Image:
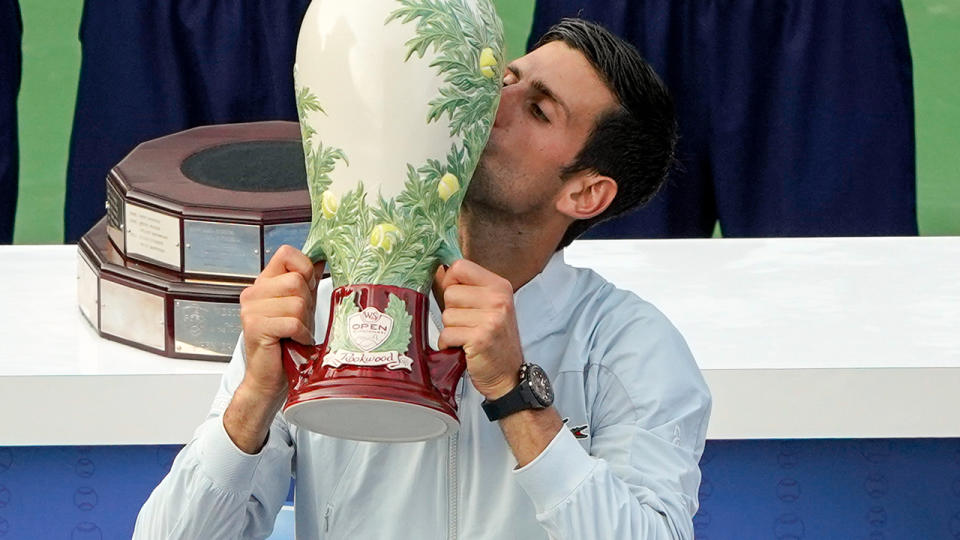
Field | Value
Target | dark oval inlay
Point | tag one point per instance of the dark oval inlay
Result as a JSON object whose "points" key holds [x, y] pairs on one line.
{"points": [[259, 166]]}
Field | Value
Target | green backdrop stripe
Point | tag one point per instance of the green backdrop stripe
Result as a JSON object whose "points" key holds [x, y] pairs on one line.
{"points": [[935, 44]]}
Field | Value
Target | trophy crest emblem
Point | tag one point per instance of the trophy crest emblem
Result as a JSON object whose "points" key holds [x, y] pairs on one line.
{"points": [[369, 328]]}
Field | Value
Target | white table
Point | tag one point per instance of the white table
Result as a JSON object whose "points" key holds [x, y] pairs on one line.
{"points": [[809, 338], [798, 338], [61, 384]]}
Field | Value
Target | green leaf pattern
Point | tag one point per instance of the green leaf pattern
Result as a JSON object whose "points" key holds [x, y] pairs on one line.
{"points": [[340, 338], [426, 224], [399, 338]]}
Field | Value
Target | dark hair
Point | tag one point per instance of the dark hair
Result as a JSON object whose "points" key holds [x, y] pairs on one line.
{"points": [[634, 143]]}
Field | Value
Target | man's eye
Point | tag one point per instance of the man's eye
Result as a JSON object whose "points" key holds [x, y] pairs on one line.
{"points": [[537, 112]]}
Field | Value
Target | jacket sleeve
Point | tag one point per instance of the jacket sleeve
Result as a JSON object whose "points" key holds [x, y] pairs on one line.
{"points": [[214, 490], [649, 407]]}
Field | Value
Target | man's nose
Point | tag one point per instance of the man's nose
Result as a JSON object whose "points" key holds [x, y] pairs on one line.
{"points": [[507, 108]]}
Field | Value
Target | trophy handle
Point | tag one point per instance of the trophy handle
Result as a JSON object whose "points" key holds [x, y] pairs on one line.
{"points": [[298, 361], [446, 367]]}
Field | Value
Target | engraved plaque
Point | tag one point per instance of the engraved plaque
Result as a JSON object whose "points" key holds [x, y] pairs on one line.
{"points": [[115, 216], [87, 291], [153, 235], [274, 236], [215, 188], [132, 315], [205, 327], [223, 249]]}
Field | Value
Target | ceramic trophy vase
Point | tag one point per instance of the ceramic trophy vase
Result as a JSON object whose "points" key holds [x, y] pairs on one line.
{"points": [[396, 99]]}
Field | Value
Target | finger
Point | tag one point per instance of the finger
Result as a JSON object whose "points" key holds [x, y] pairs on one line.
{"points": [[289, 259], [444, 278], [288, 306], [288, 327], [475, 297], [440, 273], [454, 337], [470, 318], [318, 268], [461, 296], [438, 280], [288, 284], [471, 273]]}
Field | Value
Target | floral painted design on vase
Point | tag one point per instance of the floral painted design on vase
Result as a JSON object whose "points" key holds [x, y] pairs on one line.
{"points": [[396, 99]]}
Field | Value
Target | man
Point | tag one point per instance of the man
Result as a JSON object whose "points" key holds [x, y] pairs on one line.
{"points": [[584, 130]]}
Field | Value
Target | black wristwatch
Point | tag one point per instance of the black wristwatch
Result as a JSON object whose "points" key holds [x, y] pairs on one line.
{"points": [[533, 392]]}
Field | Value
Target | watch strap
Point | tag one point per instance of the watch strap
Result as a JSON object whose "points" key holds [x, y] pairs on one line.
{"points": [[507, 404]]}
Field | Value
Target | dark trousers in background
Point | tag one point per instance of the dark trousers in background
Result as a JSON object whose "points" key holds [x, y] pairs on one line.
{"points": [[153, 68], [796, 116], [11, 33]]}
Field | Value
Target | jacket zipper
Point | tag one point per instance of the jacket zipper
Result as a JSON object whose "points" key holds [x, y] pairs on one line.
{"points": [[328, 513], [452, 487], [452, 445]]}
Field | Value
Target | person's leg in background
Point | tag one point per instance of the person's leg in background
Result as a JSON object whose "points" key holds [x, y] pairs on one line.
{"points": [[153, 68], [812, 118], [662, 30], [11, 33]]}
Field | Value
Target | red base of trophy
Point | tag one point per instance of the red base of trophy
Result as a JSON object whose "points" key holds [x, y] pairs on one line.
{"points": [[359, 385]]}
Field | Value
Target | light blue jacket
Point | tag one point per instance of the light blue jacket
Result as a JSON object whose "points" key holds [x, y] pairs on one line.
{"points": [[624, 379]]}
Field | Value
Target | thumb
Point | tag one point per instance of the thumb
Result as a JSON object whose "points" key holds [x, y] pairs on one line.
{"points": [[440, 276], [318, 268]]}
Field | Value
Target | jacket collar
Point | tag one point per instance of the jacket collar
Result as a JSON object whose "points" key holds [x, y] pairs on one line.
{"points": [[543, 298]]}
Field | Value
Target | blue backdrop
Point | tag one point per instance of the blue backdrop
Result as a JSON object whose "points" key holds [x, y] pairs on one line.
{"points": [[874, 489], [149, 69]]}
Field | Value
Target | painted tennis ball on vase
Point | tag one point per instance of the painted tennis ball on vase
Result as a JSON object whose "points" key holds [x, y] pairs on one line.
{"points": [[448, 186], [487, 63], [329, 204], [384, 236]]}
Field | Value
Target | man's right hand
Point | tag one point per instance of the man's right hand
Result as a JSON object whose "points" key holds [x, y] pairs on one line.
{"points": [[279, 305]]}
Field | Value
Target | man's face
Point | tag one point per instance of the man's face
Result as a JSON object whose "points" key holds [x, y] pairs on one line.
{"points": [[551, 100]]}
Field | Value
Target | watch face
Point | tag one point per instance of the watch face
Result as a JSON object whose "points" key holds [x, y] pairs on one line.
{"points": [[540, 384]]}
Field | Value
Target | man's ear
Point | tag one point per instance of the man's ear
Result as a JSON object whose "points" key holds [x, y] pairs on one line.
{"points": [[586, 195]]}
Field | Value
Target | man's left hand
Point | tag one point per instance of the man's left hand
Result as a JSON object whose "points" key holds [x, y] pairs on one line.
{"points": [[479, 316]]}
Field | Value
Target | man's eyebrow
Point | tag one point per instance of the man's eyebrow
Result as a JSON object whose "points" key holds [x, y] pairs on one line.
{"points": [[542, 88]]}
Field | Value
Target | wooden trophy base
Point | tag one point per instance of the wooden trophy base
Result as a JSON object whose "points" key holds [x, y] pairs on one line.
{"points": [[154, 309], [192, 218]]}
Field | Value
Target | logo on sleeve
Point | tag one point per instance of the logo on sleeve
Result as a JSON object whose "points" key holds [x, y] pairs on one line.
{"points": [[579, 432]]}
